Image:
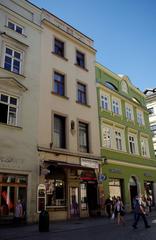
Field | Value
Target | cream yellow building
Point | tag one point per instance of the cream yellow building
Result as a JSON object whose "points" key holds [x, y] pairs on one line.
{"points": [[20, 33], [68, 132]]}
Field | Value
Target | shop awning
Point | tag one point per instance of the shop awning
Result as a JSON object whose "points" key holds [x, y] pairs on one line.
{"points": [[65, 164]]}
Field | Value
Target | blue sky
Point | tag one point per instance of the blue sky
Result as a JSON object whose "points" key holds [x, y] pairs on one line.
{"points": [[124, 33]]}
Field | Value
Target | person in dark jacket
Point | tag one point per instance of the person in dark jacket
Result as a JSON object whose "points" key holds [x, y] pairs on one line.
{"points": [[139, 211]]}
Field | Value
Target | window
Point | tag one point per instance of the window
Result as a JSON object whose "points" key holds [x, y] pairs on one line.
{"points": [[80, 59], [8, 109], [132, 145], [81, 93], [106, 137], [55, 186], [129, 112], [144, 147], [59, 131], [15, 27], [83, 137], [111, 86], [153, 129], [59, 47], [13, 60], [140, 119], [116, 106], [104, 102], [59, 84], [118, 140], [151, 111]]}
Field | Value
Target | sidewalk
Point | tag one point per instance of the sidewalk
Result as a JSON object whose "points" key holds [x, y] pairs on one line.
{"points": [[22, 232]]}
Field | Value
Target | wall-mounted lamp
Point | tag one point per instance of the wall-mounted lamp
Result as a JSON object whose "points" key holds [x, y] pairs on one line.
{"points": [[104, 160]]}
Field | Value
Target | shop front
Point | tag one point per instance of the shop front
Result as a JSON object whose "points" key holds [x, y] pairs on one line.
{"points": [[71, 190], [13, 187]]}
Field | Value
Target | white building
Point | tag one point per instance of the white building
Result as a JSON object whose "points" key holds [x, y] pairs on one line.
{"points": [[20, 33], [151, 105]]}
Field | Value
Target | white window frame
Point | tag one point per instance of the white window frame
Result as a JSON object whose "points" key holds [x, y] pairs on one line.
{"points": [[104, 101], [106, 136], [129, 112], [9, 112], [140, 118], [15, 26], [144, 147], [116, 106], [132, 143], [13, 58]]}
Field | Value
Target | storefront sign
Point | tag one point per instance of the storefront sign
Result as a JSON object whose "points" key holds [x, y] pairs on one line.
{"points": [[115, 170], [102, 177], [146, 174], [86, 162]]}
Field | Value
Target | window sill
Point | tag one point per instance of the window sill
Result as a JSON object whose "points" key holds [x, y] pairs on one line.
{"points": [[57, 55], [83, 104], [56, 94], [83, 68], [8, 125], [17, 74]]}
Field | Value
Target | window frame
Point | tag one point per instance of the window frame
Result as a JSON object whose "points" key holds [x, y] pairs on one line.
{"points": [[62, 144], [9, 106], [140, 118], [129, 112], [15, 26], [62, 52], [133, 144], [116, 106], [85, 148], [80, 61], [59, 85], [13, 59], [81, 95], [144, 146]]}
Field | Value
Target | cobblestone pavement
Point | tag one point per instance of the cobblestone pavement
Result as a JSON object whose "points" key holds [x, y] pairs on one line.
{"points": [[87, 229]]}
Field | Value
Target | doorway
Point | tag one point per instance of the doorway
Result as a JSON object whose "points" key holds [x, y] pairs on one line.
{"points": [[92, 197], [133, 190]]}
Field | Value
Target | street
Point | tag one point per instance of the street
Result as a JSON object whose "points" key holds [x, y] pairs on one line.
{"points": [[86, 229]]}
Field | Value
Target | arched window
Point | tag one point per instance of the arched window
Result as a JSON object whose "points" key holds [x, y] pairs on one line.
{"points": [[111, 86]]}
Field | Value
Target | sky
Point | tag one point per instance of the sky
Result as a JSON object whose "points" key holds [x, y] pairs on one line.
{"points": [[124, 33]]}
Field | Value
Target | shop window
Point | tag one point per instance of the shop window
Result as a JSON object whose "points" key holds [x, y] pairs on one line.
{"points": [[114, 187], [11, 190], [55, 187], [84, 196]]}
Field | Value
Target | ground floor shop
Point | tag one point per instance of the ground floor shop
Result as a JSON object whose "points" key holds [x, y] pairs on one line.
{"points": [[127, 181], [71, 186]]}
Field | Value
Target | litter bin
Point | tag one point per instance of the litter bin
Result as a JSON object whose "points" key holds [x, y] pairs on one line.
{"points": [[44, 221]]}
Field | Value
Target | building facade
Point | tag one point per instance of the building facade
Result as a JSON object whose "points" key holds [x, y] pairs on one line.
{"points": [[68, 133], [126, 142], [19, 92], [151, 106]]}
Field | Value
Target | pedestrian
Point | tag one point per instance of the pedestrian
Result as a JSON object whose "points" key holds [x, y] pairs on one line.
{"points": [[18, 212], [119, 211], [149, 203], [108, 206], [140, 212]]}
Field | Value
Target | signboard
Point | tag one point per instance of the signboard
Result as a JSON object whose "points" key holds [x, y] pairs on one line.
{"points": [[102, 177], [86, 162], [41, 198]]}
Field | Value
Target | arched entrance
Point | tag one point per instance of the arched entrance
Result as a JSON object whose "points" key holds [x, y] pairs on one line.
{"points": [[133, 189]]}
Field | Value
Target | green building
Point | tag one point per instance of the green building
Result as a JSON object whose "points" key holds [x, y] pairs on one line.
{"points": [[129, 164]]}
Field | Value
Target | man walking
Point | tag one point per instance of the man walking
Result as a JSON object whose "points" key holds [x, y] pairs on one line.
{"points": [[139, 211]]}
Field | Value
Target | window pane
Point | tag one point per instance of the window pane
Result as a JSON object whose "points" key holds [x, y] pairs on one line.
{"points": [[17, 55], [16, 66], [59, 131], [9, 51], [19, 29], [3, 113], [83, 137], [4, 98], [13, 101], [59, 48], [11, 25], [80, 59], [7, 64]]}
